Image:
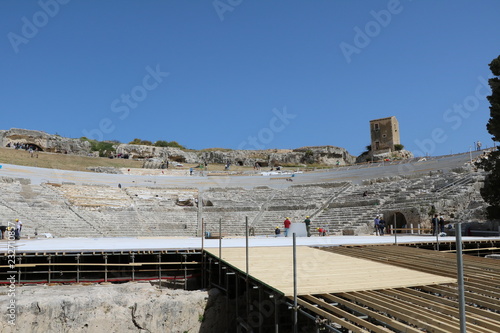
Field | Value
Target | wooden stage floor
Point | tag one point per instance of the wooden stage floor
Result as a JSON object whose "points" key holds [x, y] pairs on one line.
{"points": [[320, 272]]}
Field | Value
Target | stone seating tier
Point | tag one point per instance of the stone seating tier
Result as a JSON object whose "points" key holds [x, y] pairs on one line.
{"points": [[80, 211]]}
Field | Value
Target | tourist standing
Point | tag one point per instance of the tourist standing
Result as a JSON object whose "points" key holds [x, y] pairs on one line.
{"points": [[307, 222], [376, 224], [381, 226], [435, 225], [19, 227], [441, 224], [287, 224]]}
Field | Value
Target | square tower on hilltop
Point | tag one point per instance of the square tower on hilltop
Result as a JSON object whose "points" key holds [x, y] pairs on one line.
{"points": [[384, 134]]}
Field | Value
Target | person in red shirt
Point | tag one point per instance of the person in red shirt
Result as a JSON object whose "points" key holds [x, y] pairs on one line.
{"points": [[287, 225], [322, 231]]}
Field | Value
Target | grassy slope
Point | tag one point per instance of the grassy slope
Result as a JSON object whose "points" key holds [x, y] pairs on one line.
{"points": [[81, 163], [62, 161]]}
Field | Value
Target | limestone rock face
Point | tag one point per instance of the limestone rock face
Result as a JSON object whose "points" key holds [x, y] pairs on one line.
{"points": [[130, 307], [170, 153], [158, 156], [44, 141], [395, 155], [328, 155]]}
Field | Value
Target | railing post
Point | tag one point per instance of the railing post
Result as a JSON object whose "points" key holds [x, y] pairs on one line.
{"points": [[133, 266], [159, 269], [77, 268], [50, 267], [105, 268]]}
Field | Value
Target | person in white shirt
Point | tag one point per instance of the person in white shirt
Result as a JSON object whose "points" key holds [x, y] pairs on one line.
{"points": [[19, 226]]}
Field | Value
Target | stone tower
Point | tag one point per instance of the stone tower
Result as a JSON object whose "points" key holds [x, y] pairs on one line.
{"points": [[384, 134]]}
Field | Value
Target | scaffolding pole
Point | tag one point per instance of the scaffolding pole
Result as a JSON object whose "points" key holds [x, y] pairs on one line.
{"points": [[460, 278], [295, 308]]}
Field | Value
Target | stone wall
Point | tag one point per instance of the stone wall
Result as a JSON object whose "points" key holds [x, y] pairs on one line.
{"points": [[130, 307]]}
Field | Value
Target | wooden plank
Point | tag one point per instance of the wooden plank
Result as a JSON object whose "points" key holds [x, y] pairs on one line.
{"points": [[475, 315], [403, 313], [486, 302], [332, 318], [359, 321], [473, 322], [373, 314]]}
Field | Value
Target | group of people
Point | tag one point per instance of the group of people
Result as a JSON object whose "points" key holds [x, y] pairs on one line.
{"points": [[16, 229], [24, 146], [287, 223], [437, 225]]}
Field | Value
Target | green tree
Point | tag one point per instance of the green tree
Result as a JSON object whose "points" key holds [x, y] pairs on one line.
{"points": [[398, 146], [175, 144], [491, 190], [137, 141], [493, 125], [105, 148], [308, 157], [163, 143]]}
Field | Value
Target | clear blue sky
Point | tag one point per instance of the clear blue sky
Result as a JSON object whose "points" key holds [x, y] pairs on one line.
{"points": [[249, 73]]}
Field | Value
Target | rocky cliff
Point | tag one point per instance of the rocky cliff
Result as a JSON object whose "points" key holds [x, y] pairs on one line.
{"points": [[370, 156], [43, 141], [326, 155], [130, 307]]}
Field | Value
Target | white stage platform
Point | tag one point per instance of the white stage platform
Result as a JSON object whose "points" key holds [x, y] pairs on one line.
{"points": [[155, 244]]}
